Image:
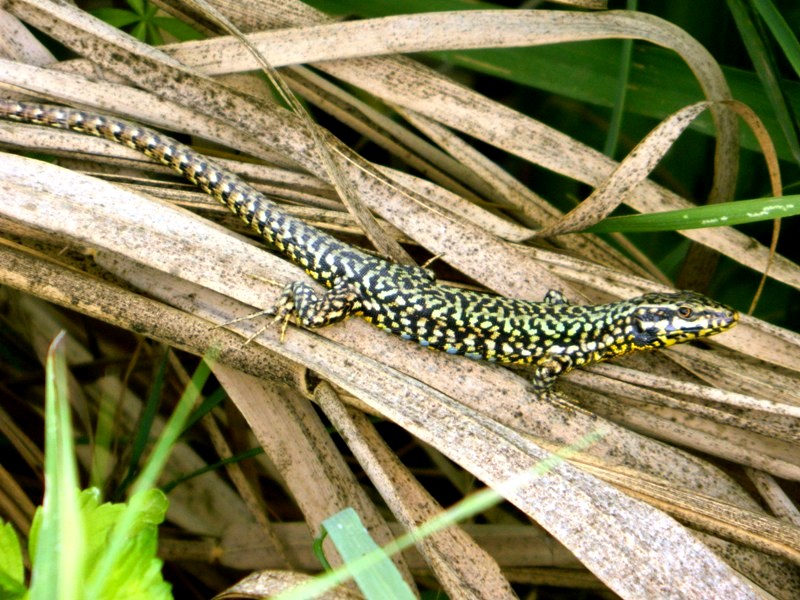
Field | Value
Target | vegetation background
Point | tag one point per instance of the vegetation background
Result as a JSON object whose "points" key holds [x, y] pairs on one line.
{"points": [[259, 467]]}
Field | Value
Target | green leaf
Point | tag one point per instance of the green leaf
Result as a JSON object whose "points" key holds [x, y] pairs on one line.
{"points": [[139, 31], [378, 580], [714, 215], [137, 572], [153, 35], [12, 571], [138, 6], [177, 29], [781, 30], [149, 12], [116, 16]]}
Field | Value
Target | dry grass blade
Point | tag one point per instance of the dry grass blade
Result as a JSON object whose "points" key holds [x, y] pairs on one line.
{"points": [[385, 245], [271, 583], [14, 503], [304, 455], [632, 171], [464, 570], [477, 446], [768, 534], [778, 501], [732, 399], [411, 86], [232, 275]]}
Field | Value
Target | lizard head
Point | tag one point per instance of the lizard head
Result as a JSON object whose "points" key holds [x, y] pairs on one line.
{"points": [[659, 320]]}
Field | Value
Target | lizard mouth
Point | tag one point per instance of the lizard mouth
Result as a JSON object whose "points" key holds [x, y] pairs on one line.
{"points": [[658, 333], [643, 333]]}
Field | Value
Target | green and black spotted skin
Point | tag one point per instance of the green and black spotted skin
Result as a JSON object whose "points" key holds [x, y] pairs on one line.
{"points": [[551, 336]]}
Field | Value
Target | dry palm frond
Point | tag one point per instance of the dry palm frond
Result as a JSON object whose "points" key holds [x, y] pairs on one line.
{"points": [[608, 507]]}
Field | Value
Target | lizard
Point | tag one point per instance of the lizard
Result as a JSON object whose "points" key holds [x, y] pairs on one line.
{"points": [[549, 337]]}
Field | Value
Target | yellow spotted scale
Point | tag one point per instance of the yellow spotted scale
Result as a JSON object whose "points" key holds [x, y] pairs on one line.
{"points": [[551, 336]]}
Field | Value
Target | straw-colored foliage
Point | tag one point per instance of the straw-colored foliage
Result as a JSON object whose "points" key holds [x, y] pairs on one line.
{"points": [[120, 246]]}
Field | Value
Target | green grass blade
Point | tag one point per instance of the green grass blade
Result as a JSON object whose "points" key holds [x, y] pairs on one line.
{"points": [[57, 546], [469, 507], [781, 30], [381, 579], [715, 215], [623, 81], [765, 67], [210, 402], [144, 425], [103, 439], [171, 485]]}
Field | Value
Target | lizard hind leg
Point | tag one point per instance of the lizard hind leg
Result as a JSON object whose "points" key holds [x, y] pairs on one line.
{"points": [[301, 302], [310, 309]]}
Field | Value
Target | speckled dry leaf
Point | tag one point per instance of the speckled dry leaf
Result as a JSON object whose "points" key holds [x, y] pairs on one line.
{"points": [[462, 568], [410, 86], [632, 171], [305, 456], [491, 451], [271, 583]]}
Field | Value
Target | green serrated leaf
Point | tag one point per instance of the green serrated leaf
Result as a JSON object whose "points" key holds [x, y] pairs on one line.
{"points": [[99, 519], [117, 17], [138, 6], [137, 572], [153, 508], [178, 29], [11, 589], [12, 570]]}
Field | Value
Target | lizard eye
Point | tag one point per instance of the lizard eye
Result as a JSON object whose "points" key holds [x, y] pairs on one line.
{"points": [[684, 312]]}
